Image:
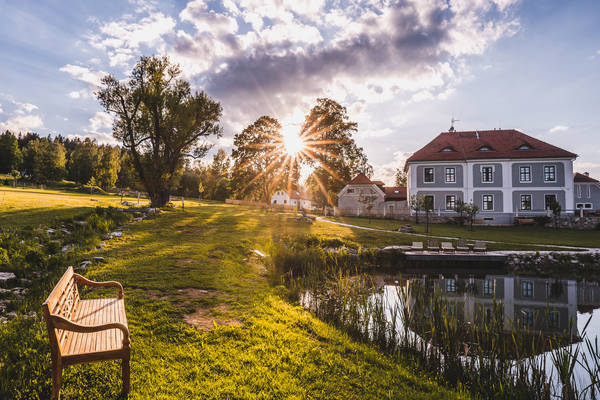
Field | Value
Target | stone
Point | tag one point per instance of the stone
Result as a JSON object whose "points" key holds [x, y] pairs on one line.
{"points": [[6, 277], [50, 231], [11, 315], [4, 292], [116, 234], [20, 291], [67, 247], [84, 264], [99, 260], [65, 231]]}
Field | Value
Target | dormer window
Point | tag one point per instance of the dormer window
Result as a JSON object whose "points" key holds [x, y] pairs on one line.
{"points": [[448, 150], [484, 148], [525, 146]]}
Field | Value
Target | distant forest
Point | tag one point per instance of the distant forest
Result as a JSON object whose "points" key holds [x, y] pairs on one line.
{"points": [[45, 160]]}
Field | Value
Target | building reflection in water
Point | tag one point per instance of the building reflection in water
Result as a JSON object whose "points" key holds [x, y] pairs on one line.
{"points": [[535, 304]]}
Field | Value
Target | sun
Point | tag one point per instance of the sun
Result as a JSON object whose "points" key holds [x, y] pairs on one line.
{"points": [[292, 142]]}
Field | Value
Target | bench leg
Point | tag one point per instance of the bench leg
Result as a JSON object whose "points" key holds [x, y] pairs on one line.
{"points": [[125, 371], [56, 378]]}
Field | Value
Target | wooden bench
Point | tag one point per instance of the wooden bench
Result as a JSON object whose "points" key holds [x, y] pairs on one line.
{"points": [[526, 221], [83, 331]]}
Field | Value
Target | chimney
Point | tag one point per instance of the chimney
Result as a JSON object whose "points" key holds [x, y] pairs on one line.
{"points": [[586, 173]]}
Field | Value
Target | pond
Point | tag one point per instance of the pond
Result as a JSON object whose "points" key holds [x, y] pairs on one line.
{"points": [[482, 330], [541, 307]]}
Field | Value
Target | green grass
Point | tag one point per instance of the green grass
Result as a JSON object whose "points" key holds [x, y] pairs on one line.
{"points": [[20, 207], [275, 350], [520, 235]]}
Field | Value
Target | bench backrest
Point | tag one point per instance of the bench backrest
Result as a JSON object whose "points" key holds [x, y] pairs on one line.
{"points": [[62, 302], [462, 242], [433, 243]]}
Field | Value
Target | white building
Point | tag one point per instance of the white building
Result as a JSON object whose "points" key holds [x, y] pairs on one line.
{"points": [[292, 199], [365, 197], [506, 173]]}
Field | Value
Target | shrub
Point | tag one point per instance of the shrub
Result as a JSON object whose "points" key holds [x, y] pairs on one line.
{"points": [[542, 220]]}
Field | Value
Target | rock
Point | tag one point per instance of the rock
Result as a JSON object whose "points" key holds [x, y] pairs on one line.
{"points": [[50, 231], [67, 247], [6, 277], [99, 260], [84, 264], [65, 231], [4, 292], [137, 219], [20, 291], [11, 315], [388, 248], [3, 320], [116, 234]]}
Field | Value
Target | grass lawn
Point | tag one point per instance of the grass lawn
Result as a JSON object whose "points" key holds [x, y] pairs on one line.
{"points": [[193, 264], [20, 207], [520, 235]]}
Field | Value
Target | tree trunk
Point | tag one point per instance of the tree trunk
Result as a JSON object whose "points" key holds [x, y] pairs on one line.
{"points": [[159, 197]]}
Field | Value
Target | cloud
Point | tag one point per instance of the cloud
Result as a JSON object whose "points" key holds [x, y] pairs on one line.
{"points": [[25, 108], [22, 123], [99, 128], [558, 128], [1, 110], [387, 172], [90, 77]]}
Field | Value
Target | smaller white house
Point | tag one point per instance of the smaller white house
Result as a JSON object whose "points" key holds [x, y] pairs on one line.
{"points": [[292, 199]]}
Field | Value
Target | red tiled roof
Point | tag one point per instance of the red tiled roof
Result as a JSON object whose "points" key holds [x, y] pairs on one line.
{"points": [[379, 183], [360, 179], [507, 143], [395, 193], [582, 178]]}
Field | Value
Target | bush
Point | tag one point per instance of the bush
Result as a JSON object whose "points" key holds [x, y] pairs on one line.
{"points": [[542, 220]]}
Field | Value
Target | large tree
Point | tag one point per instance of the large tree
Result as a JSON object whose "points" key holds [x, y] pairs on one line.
{"points": [[260, 162], [160, 121], [332, 151], [10, 154]]}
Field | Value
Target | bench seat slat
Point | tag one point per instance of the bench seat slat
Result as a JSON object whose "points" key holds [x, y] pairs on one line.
{"points": [[96, 312]]}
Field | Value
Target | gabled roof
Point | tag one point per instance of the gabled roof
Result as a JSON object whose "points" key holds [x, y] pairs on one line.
{"points": [[378, 183], [473, 145], [395, 193], [582, 178], [360, 179], [295, 195]]}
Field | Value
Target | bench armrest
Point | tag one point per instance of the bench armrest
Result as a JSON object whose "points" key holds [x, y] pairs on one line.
{"points": [[83, 281], [63, 323]]}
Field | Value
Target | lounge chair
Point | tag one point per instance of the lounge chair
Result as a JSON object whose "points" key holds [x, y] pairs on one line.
{"points": [[433, 245], [447, 246], [480, 246], [417, 246], [462, 245]]}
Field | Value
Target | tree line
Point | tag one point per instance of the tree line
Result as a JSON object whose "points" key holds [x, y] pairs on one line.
{"points": [[44, 159]]}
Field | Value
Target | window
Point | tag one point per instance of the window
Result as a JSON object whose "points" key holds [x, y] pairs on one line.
{"points": [[527, 317], [585, 206], [450, 175], [488, 202], [285, 202], [525, 147], [448, 150], [429, 203], [350, 191], [428, 175], [525, 173], [527, 289], [526, 202], [450, 285], [578, 189], [487, 174], [450, 202], [274, 201], [488, 287], [554, 319], [549, 173], [484, 148], [548, 200]]}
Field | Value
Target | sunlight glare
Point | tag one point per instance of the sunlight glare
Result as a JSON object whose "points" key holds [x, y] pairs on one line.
{"points": [[292, 142]]}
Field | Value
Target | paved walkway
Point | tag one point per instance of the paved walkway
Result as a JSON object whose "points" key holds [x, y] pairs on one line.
{"points": [[568, 249]]}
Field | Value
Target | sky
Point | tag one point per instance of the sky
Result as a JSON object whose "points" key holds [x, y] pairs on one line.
{"points": [[403, 69]]}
